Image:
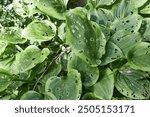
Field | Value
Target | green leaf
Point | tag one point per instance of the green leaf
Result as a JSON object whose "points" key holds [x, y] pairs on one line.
{"points": [[28, 58], [103, 89], [146, 10], [113, 53], [46, 31], [139, 56], [5, 80], [89, 74], [25, 8], [2, 47], [130, 23], [85, 37], [132, 83], [102, 16], [125, 40], [139, 3], [31, 95], [53, 8], [66, 87], [11, 35], [124, 8]]}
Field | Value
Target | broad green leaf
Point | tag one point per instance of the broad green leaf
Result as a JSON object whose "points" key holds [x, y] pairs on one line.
{"points": [[103, 89], [85, 37], [98, 3], [28, 58], [125, 40], [11, 35], [5, 80], [146, 10], [89, 74], [19, 8], [25, 8], [2, 47], [31, 95], [130, 23], [66, 87], [113, 53], [102, 16], [139, 56], [132, 83], [53, 8], [39, 31], [139, 3], [124, 8]]}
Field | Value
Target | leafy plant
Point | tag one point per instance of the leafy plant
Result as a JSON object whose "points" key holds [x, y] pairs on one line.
{"points": [[74, 49]]}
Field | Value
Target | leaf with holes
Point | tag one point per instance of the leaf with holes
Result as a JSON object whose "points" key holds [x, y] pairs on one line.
{"points": [[130, 23], [113, 53], [139, 3], [124, 8], [132, 83], [146, 10], [25, 8], [85, 37], [31, 95], [28, 58], [5, 80], [65, 88], [103, 89], [39, 31], [126, 40], [53, 8], [139, 56], [11, 35], [89, 74]]}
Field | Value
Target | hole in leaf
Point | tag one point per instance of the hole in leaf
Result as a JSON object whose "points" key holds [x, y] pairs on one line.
{"points": [[33, 59], [127, 21]]}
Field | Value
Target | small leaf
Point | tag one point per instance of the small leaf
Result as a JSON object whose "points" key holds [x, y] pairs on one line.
{"points": [[132, 83], [130, 23], [146, 10], [139, 3], [31, 95], [11, 35], [53, 8], [113, 53], [66, 87], [89, 74], [28, 59], [139, 56], [126, 40], [124, 8], [5, 80], [103, 89], [39, 31]]}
